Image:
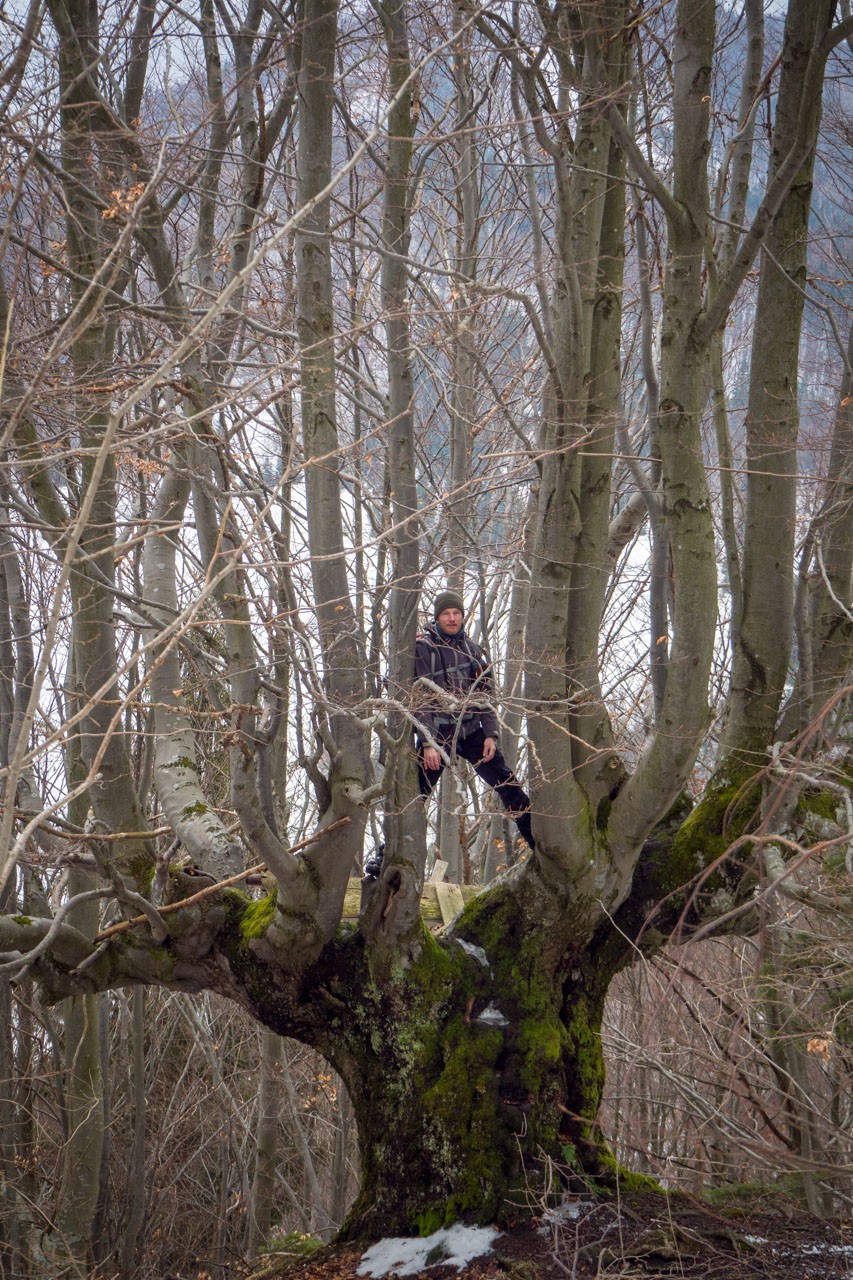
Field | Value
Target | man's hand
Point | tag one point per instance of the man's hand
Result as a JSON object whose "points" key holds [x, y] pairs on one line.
{"points": [[432, 760], [489, 749]]}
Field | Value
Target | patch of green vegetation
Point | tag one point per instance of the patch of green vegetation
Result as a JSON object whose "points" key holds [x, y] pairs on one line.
{"points": [[261, 980], [541, 1044], [569, 1152], [708, 830], [746, 1197], [429, 1222], [447, 1060], [23, 921], [258, 916], [824, 804], [583, 1049], [430, 977], [527, 998], [432, 1131], [470, 1053], [535, 1056], [462, 1113], [611, 1171], [444, 1071], [194, 810], [142, 869], [294, 1244]]}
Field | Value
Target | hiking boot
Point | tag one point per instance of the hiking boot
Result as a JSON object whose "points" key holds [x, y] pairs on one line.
{"points": [[373, 865]]}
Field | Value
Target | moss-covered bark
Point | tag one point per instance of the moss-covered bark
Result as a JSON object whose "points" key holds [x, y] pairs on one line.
{"points": [[474, 1059], [470, 1063]]}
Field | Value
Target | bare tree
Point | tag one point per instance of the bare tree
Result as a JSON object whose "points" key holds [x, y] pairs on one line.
{"points": [[190, 258]]}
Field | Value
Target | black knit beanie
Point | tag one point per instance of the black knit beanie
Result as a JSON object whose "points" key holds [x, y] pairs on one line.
{"points": [[447, 600]]}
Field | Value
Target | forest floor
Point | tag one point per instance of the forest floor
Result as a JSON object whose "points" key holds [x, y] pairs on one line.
{"points": [[640, 1236]]}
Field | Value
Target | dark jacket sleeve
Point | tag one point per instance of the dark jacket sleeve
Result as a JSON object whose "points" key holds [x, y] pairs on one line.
{"points": [[486, 690]]}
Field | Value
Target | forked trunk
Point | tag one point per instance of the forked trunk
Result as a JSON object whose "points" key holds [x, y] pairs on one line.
{"points": [[471, 1067]]}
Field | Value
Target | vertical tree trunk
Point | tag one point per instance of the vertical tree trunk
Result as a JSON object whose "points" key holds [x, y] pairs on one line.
{"points": [[451, 801], [81, 1165], [100, 1241], [595, 762], [29, 1224], [136, 1166], [10, 1243], [340, 637], [404, 818], [102, 743], [83, 1084], [340, 1162], [462, 395], [825, 622], [763, 646], [734, 176], [266, 1140]]}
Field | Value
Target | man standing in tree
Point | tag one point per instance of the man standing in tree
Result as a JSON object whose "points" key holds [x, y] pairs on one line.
{"points": [[454, 702], [463, 722]]}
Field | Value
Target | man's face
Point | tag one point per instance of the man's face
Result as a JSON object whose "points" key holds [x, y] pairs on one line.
{"points": [[450, 621]]}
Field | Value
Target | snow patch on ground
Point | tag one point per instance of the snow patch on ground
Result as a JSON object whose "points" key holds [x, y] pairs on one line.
{"points": [[566, 1211], [815, 1250], [450, 1247]]}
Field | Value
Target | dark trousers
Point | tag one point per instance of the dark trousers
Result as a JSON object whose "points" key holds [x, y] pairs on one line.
{"points": [[495, 773]]}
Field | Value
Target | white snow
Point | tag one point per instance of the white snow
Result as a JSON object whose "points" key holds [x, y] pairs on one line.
{"points": [[493, 1017], [565, 1211], [477, 952], [815, 1250], [450, 1247]]}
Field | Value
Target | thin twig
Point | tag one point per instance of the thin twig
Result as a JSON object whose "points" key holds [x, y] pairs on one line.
{"points": [[93, 835]]}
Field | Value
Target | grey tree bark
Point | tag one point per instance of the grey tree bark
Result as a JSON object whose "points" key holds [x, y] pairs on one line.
{"points": [[269, 1109]]}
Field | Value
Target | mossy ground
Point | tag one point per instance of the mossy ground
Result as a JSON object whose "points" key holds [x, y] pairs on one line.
{"points": [[618, 1235]]}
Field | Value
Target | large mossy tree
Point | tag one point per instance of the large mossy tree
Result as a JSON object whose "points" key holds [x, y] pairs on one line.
{"points": [[473, 1057]]}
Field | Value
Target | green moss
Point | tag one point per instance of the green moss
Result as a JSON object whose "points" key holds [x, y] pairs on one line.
{"points": [[194, 810], [824, 804], [429, 1222], [294, 1244], [746, 1197], [708, 831], [258, 916], [23, 921], [584, 1052], [142, 870], [624, 1178], [678, 811], [435, 971], [541, 1045], [467, 1079]]}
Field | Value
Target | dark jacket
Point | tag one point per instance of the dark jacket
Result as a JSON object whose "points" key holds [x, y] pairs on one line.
{"points": [[462, 669]]}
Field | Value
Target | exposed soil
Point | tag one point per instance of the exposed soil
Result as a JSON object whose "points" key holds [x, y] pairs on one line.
{"points": [[640, 1236]]}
